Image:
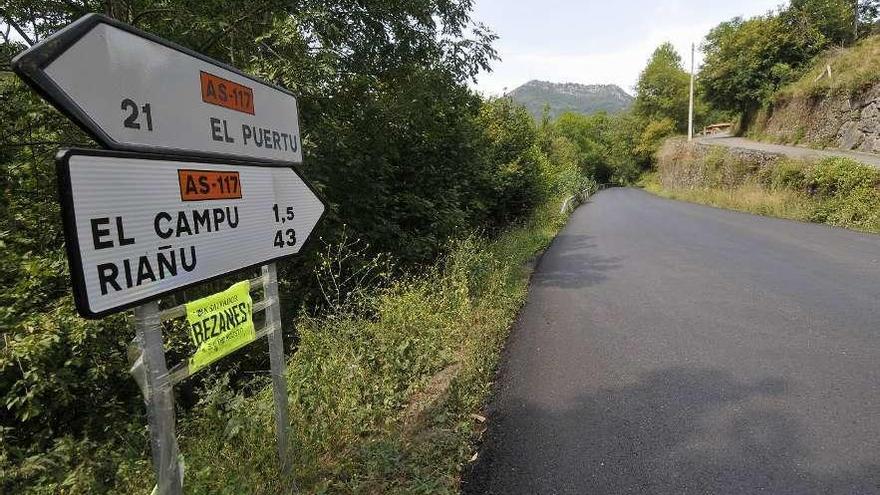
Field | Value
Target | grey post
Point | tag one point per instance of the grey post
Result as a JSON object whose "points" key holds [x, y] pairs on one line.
{"points": [[276, 360], [159, 398]]}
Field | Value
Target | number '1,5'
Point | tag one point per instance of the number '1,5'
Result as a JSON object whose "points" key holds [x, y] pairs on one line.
{"points": [[288, 213]]}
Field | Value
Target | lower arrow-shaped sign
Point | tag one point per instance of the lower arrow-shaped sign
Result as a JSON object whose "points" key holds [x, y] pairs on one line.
{"points": [[139, 226]]}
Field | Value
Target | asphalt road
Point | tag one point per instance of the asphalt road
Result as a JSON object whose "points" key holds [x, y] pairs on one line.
{"points": [[799, 152], [671, 348]]}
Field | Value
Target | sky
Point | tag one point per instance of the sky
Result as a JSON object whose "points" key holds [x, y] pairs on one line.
{"points": [[595, 42]]}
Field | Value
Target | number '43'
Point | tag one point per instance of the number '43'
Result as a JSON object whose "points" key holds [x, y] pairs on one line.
{"points": [[285, 238]]}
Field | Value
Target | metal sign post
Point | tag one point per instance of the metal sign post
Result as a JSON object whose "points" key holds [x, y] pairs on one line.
{"points": [[159, 399], [276, 360]]}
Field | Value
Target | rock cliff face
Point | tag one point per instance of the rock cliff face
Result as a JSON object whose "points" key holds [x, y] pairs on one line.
{"points": [[837, 121]]}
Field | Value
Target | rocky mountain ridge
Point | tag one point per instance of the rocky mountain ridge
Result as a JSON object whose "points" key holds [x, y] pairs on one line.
{"points": [[570, 97]]}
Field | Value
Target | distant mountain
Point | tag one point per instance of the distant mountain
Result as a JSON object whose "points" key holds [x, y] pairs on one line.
{"points": [[571, 97]]}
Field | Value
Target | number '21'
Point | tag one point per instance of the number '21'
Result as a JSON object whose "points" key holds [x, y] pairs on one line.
{"points": [[131, 121]]}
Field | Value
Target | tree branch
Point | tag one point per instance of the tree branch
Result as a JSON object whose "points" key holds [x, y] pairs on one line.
{"points": [[231, 27], [149, 12], [10, 21]]}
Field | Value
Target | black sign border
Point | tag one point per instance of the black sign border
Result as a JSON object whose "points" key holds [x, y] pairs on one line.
{"points": [[30, 66], [68, 214]]}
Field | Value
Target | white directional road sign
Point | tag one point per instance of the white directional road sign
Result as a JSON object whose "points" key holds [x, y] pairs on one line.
{"points": [[138, 226], [134, 91]]}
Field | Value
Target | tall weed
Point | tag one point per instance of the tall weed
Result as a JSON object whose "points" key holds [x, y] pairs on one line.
{"points": [[381, 392]]}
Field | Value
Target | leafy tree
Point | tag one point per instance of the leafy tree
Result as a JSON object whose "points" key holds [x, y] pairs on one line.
{"points": [[652, 136], [746, 61], [511, 145], [663, 87], [588, 133], [842, 22], [605, 146], [560, 168], [833, 18]]}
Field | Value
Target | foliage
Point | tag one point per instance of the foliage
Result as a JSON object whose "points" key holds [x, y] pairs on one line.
{"points": [[833, 18], [786, 174], [663, 88], [560, 170], [841, 22], [746, 61], [62, 379], [612, 148], [849, 194], [652, 137], [622, 138], [841, 176], [588, 134], [749, 197], [511, 136]]}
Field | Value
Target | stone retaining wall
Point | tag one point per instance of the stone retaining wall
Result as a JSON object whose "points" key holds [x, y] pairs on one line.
{"points": [[758, 158], [838, 121]]}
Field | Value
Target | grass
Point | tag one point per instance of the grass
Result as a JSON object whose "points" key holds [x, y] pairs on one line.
{"points": [[834, 191], [750, 198], [852, 69], [383, 392]]}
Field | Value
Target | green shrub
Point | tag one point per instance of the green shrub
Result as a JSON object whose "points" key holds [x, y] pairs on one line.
{"points": [[785, 174], [848, 193], [652, 137], [840, 176], [859, 209], [513, 178]]}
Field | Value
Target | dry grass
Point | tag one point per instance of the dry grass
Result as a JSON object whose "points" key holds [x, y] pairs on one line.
{"points": [[749, 197], [852, 69]]}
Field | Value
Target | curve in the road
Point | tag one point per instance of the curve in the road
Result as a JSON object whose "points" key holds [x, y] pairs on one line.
{"points": [[671, 348]]}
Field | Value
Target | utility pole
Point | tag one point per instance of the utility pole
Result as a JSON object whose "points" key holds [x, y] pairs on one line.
{"points": [[691, 105]]}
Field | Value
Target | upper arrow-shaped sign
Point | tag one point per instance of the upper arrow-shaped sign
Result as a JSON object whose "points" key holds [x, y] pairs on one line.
{"points": [[134, 91]]}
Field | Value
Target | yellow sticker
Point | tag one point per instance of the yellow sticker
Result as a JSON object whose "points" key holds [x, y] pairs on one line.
{"points": [[220, 324]]}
